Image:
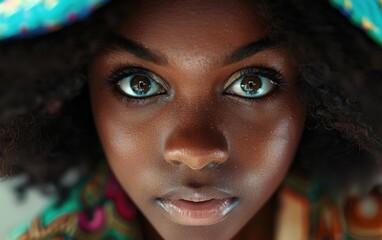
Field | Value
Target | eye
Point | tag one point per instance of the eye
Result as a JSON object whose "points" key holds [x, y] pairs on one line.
{"points": [[139, 85], [252, 82]]}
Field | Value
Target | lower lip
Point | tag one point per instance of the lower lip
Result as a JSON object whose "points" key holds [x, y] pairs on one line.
{"points": [[198, 213]]}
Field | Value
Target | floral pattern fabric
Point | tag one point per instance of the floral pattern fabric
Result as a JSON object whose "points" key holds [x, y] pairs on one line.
{"points": [[306, 215], [98, 208]]}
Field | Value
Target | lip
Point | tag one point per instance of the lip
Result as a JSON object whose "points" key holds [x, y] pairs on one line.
{"points": [[197, 207]]}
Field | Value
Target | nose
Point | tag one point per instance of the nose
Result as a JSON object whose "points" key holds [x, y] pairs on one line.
{"points": [[197, 147]]}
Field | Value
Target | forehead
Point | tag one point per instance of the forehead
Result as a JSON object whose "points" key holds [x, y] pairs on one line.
{"points": [[192, 23]]}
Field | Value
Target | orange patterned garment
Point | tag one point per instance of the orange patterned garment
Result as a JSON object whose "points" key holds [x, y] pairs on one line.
{"points": [[304, 215], [98, 208]]}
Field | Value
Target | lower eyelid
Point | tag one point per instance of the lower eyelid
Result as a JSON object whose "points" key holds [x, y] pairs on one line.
{"points": [[136, 101], [241, 100], [251, 101]]}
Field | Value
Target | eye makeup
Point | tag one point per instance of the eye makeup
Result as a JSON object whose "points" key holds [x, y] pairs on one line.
{"points": [[138, 85], [253, 82]]}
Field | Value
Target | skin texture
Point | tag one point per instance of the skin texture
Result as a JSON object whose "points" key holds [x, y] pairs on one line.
{"points": [[195, 134]]}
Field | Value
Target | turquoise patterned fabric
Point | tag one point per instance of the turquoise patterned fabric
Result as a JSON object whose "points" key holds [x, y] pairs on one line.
{"points": [[366, 14], [96, 208], [26, 18]]}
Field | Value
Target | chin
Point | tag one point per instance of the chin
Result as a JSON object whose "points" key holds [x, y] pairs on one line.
{"points": [[199, 232], [224, 229]]}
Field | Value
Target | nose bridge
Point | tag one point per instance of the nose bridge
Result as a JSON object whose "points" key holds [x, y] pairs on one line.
{"points": [[196, 139]]}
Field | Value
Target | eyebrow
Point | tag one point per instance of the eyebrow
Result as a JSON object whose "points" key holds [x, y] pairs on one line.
{"points": [[140, 51], [249, 50], [136, 49]]}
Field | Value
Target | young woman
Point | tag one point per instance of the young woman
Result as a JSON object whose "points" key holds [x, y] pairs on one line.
{"points": [[200, 108]]}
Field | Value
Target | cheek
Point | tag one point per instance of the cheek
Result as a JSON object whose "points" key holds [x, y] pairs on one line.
{"points": [[263, 145], [131, 147], [121, 143], [127, 147]]}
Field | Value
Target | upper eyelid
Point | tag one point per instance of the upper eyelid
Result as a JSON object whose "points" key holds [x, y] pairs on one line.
{"points": [[252, 69], [123, 72], [232, 78], [160, 80]]}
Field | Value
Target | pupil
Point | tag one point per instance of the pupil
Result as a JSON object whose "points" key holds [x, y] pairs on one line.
{"points": [[140, 85], [251, 84]]}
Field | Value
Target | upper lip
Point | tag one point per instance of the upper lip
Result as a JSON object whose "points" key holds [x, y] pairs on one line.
{"points": [[196, 194]]}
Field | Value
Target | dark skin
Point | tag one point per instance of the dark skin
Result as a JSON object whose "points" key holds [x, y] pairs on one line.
{"points": [[195, 130]]}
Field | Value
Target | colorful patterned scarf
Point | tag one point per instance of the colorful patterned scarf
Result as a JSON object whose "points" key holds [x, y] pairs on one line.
{"points": [[366, 14], [27, 18]]}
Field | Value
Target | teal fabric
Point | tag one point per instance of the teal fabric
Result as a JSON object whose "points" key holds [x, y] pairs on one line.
{"points": [[96, 208], [366, 14], [27, 18]]}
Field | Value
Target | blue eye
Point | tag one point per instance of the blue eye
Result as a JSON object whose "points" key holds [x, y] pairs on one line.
{"points": [[140, 85], [251, 83]]}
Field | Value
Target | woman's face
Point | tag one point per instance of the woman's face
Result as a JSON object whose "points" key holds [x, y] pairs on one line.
{"points": [[198, 113]]}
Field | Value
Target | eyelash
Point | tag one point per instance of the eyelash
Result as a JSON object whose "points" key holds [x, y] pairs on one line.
{"points": [[119, 74], [276, 77]]}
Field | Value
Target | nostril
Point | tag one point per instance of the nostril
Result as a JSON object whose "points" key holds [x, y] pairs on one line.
{"points": [[196, 160], [199, 164], [213, 165], [175, 162]]}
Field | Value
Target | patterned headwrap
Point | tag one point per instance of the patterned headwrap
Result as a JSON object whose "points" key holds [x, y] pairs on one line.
{"points": [[26, 18], [366, 14]]}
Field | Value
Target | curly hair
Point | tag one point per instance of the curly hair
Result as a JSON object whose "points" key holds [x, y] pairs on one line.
{"points": [[46, 126]]}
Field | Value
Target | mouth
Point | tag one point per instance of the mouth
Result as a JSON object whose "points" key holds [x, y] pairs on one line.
{"points": [[197, 208]]}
